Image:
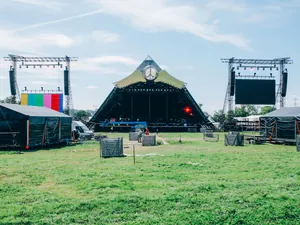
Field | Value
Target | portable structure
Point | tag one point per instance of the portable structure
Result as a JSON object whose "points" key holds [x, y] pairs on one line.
{"points": [[281, 124], [234, 139], [32, 126], [111, 147]]}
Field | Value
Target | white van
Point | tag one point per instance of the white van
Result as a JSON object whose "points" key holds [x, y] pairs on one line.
{"points": [[84, 132]]}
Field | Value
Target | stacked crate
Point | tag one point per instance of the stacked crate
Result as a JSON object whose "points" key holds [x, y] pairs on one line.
{"points": [[111, 147], [234, 139], [149, 140]]}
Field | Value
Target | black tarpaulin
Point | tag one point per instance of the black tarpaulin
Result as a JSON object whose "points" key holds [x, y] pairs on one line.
{"points": [[33, 125], [282, 123]]}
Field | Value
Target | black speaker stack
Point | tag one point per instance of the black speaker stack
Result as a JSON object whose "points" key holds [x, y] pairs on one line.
{"points": [[66, 82], [232, 82], [284, 83], [12, 79]]}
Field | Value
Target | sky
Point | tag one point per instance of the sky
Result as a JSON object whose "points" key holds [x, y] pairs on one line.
{"points": [[112, 37]]}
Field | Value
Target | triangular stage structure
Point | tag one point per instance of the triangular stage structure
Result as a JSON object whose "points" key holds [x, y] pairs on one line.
{"points": [[150, 94]]}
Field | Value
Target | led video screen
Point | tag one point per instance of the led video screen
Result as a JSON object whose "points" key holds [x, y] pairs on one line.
{"points": [[255, 92], [52, 101]]}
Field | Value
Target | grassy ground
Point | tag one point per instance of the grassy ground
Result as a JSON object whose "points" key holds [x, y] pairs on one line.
{"points": [[195, 182]]}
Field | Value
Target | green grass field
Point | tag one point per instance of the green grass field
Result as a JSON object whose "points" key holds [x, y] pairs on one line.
{"points": [[195, 182]]}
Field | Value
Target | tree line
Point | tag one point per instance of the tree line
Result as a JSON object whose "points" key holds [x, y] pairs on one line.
{"points": [[243, 111]]}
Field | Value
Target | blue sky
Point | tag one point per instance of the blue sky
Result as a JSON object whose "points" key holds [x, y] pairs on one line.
{"points": [[112, 37]]}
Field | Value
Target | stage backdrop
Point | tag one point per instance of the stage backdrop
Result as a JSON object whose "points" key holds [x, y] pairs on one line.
{"points": [[52, 101]]}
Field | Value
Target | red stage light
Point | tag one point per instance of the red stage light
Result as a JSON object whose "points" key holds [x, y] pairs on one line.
{"points": [[187, 109], [191, 114]]}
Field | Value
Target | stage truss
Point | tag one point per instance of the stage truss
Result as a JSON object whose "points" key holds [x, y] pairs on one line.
{"points": [[39, 62], [277, 64]]}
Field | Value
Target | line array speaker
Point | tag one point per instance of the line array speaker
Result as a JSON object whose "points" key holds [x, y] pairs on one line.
{"points": [[284, 84], [66, 82], [12, 78], [232, 83]]}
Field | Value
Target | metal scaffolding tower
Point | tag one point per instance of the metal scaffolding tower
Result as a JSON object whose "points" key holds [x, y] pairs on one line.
{"points": [[40, 62], [254, 63]]}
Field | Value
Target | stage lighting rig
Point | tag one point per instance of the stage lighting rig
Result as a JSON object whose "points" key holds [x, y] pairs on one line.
{"points": [[277, 64], [40, 62]]}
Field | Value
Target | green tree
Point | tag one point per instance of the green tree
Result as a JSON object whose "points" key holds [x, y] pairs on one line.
{"points": [[266, 109], [219, 116], [245, 110], [241, 112], [10, 100], [82, 115], [252, 110]]}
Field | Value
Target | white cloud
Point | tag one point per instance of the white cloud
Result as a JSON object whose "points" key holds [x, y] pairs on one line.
{"points": [[91, 87], [103, 36], [115, 60], [39, 82], [226, 5], [105, 65], [51, 4], [168, 17], [33, 26], [33, 42]]}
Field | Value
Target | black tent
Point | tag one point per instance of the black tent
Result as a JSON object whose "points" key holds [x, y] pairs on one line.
{"points": [[32, 126], [281, 124]]}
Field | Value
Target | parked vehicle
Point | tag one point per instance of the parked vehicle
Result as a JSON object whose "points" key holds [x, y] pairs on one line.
{"points": [[82, 130]]}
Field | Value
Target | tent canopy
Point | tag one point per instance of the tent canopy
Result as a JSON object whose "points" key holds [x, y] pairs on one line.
{"points": [[33, 111], [137, 76], [284, 112]]}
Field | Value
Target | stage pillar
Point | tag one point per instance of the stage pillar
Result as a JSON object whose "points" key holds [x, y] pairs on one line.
{"points": [[167, 107], [149, 108], [131, 108]]}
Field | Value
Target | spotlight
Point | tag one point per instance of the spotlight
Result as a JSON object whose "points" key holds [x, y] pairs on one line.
{"points": [[277, 68], [26, 66], [237, 68], [264, 69], [25, 88], [239, 74], [254, 74], [42, 88], [187, 109], [271, 74], [271, 68], [40, 66]]}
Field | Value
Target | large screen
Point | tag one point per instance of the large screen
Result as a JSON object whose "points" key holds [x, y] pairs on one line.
{"points": [[52, 101], [255, 92]]}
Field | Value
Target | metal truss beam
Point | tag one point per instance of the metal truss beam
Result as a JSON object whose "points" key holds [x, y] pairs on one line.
{"points": [[23, 61], [277, 64], [17, 58], [278, 61]]}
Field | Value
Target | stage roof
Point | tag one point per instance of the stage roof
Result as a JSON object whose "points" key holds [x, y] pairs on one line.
{"points": [[163, 76], [33, 111], [284, 112]]}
